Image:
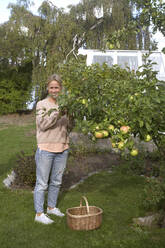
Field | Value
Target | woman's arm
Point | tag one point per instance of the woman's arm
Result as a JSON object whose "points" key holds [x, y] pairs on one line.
{"points": [[46, 118]]}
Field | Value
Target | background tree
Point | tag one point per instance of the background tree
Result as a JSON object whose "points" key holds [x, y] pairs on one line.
{"points": [[15, 67], [41, 44]]}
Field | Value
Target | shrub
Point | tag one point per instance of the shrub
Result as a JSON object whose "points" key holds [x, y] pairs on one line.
{"points": [[154, 194], [25, 170], [15, 88]]}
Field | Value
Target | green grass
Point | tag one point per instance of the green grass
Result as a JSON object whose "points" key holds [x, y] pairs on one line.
{"points": [[12, 140], [117, 194]]}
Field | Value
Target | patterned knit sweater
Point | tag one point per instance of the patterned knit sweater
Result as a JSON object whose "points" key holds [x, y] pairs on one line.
{"points": [[51, 127]]}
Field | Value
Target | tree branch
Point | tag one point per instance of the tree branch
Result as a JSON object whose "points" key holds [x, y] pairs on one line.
{"points": [[77, 42]]}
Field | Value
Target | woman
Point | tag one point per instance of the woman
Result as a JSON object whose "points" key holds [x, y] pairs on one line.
{"points": [[52, 152]]}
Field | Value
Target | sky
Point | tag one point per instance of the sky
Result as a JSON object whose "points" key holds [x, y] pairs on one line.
{"points": [[5, 14]]}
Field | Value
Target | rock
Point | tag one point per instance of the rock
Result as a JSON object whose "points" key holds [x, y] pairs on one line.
{"points": [[9, 180], [79, 139], [149, 221], [145, 146], [83, 179]]}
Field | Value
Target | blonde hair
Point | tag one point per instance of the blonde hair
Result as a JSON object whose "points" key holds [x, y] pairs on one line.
{"points": [[54, 77]]}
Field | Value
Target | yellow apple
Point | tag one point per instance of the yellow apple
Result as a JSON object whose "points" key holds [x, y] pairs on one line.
{"points": [[111, 127], [148, 138], [99, 135], [121, 145], [111, 46], [131, 98], [134, 152], [97, 128], [114, 145], [84, 101], [105, 133]]}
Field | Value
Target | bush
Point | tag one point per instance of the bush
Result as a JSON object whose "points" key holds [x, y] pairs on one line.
{"points": [[15, 88], [154, 194], [25, 170]]}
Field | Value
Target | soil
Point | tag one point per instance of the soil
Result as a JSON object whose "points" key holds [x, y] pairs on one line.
{"points": [[80, 168]]}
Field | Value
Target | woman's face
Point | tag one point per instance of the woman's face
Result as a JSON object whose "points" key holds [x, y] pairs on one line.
{"points": [[54, 89]]}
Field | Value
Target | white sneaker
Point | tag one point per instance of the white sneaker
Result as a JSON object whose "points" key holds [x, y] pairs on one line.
{"points": [[43, 218], [55, 211]]}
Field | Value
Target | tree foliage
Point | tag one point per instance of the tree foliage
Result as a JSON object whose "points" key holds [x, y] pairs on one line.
{"points": [[15, 70], [43, 42], [152, 12], [99, 96]]}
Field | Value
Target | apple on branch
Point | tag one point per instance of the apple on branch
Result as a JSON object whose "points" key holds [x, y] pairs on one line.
{"points": [[134, 152], [148, 138], [125, 129]]}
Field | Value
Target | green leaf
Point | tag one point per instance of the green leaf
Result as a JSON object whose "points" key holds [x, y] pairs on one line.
{"points": [[148, 127], [141, 123]]}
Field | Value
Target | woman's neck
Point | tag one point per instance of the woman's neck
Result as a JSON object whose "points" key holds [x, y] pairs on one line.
{"points": [[51, 99]]}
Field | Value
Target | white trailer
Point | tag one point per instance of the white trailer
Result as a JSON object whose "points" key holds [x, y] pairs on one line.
{"points": [[126, 58]]}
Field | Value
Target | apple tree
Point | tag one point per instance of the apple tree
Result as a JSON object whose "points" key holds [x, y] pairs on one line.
{"points": [[115, 103]]}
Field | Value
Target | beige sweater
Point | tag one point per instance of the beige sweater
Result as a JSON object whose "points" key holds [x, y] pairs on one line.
{"points": [[51, 128]]}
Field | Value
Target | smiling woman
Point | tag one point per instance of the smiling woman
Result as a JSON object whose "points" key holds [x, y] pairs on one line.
{"points": [[52, 152], [54, 86]]}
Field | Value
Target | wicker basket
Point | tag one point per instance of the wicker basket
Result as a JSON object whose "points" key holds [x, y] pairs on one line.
{"points": [[84, 217]]}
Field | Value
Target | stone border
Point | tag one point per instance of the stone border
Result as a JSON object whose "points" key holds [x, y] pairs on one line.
{"points": [[9, 180]]}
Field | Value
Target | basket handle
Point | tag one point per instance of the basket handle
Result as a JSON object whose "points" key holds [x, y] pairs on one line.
{"points": [[86, 201]]}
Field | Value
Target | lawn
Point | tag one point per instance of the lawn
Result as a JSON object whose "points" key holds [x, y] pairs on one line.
{"points": [[13, 140], [118, 194]]}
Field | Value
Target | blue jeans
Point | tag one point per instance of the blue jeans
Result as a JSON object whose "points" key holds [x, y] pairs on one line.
{"points": [[50, 167]]}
